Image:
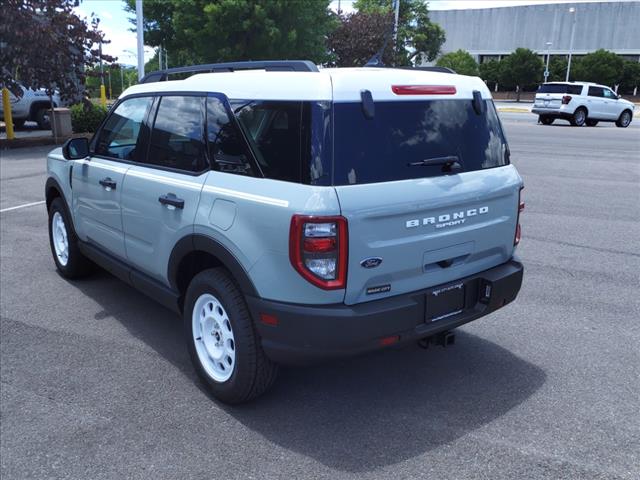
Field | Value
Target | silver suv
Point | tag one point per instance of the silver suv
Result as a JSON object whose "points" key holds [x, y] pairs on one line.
{"points": [[293, 215]]}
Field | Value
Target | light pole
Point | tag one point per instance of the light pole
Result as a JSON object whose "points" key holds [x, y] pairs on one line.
{"points": [[546, 70], [140, 33], [573, 31]]}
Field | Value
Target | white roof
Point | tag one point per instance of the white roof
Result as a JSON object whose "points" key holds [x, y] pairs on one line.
{"points": [[337, 84]]}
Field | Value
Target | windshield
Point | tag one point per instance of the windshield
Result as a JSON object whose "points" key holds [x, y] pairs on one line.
{"points": [[400, 134]]}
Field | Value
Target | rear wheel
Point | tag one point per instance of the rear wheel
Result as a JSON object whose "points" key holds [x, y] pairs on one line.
{"points": [[545, 120], [592, 123], [223, 343], [44, 119], [579, 117], [624, 120]]}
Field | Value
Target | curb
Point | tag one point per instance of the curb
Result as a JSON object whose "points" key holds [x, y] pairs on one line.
{"points": [[513, 110]]}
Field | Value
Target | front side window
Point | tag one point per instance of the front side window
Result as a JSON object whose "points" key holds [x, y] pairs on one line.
{"points": [[609, 94], [177, 140], [596, 92], [120, 137]]}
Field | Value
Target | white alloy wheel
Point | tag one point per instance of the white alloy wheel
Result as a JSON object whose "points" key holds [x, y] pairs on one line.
{"points": [[213, 337], [60, 238]]}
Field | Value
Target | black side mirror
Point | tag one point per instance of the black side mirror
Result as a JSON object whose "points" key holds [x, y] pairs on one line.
{"points": [[75, 148]]}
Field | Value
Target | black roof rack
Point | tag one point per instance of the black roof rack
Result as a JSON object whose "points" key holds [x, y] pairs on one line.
{"points": [[268, 65]]}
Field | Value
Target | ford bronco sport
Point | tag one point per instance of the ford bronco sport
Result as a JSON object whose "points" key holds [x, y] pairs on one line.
{"points": [[291, 214]]}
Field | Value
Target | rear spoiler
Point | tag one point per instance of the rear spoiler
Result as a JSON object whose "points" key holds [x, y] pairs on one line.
{"points": [[268, 65]]}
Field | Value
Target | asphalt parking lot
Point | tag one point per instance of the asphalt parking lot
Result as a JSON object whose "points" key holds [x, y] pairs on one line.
{"points": [[96, 381]]}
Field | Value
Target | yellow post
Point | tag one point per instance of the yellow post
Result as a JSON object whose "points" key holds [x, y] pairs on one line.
{"points": [[103, 96], [8, 119]]}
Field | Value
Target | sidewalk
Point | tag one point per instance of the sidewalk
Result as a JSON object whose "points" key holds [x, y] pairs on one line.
{"points": [[513, 106]]}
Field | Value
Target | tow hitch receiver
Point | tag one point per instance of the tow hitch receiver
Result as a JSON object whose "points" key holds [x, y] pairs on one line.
{"points": [[444, 339]]}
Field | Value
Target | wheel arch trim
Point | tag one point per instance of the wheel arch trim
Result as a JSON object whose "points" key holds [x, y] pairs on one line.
{"points": [[203, 243]]}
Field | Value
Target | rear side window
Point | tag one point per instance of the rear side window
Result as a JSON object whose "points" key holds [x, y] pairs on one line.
{"points": [[120, 137], [596, 92], [177, 140], [227, 149], [291, 140], [560, 88], [381, 149]]}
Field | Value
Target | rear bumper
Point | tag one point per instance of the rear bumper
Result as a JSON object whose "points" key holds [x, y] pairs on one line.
{"points": [[307, 334], [551, 112]]}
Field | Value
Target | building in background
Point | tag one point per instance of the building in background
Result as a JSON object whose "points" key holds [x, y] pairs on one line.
{"points": [[491, 33]]}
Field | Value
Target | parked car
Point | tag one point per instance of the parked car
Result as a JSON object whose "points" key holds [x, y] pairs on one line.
{"points": [[30, 105], [581, 103], [294, 216]]}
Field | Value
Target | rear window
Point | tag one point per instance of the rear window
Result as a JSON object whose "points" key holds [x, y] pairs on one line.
{"points": [[381, 149], [560, 88]]}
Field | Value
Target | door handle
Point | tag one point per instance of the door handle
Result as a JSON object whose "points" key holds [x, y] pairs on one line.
{"points": [[108, 184], [171, 200]]}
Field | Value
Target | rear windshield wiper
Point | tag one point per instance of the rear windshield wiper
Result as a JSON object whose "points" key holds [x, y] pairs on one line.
{"points": [[449, 164]]}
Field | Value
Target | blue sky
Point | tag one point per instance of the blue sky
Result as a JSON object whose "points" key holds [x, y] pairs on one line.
{"points": [[114, 21]]}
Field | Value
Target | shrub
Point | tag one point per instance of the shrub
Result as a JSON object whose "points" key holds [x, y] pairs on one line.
{"points": [[86, 117], [461, 61]]}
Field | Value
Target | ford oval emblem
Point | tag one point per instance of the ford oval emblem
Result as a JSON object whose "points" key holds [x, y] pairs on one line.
{"points": [[371, 262]]}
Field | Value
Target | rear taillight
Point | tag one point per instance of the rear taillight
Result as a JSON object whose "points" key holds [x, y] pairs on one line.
{"points": [[566, 99], [516, 240], [318, 250]]}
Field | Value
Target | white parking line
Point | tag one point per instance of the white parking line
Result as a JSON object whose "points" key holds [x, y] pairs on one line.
{"points": [[32, 204]]}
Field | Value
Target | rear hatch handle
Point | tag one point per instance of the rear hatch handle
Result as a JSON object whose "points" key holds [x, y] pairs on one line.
{"points": [[450, 164]]}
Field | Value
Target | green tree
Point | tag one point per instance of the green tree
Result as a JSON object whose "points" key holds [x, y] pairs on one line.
{"points": [[490, 72], [630, 76], [418, 38], [600, 66], [199, 31], [522, 69], [461, 61], [558, 68]]}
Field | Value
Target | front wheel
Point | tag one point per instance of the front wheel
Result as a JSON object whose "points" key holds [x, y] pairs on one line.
{"points": [[624, 120], [545, 120], [579, 117], [223, 343], [592, 123], [64, 243]]}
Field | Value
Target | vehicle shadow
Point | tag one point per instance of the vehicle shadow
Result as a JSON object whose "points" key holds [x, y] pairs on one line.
{"points": [[359, 414]]}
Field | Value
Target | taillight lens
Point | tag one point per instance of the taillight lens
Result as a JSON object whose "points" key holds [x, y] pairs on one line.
{"points": [[516, 240], [318, 250], [566, 99]]}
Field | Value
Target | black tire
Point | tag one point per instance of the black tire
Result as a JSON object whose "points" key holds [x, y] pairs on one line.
{"points": [[625, 119], [591, 123], [43, 119], [543, 119], [579, 117], [18, 124], [253, 373], [77, 265]]}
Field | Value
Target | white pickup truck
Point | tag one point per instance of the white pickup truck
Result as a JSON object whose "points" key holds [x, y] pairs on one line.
{"points": [[30, 105]]}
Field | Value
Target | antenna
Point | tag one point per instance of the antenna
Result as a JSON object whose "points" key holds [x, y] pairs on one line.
{"points": [[376, 60]]}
